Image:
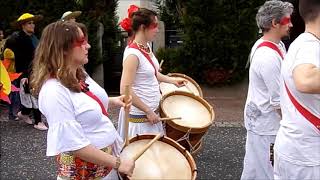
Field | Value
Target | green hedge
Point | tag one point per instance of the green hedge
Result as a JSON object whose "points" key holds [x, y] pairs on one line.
{"points": [[217, 38]]}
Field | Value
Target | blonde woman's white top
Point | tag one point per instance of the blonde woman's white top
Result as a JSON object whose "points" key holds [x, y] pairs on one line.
{"points": [[75, 119]]}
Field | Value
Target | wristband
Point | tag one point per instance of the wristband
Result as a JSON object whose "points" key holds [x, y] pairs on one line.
{"points": [[118, 162]]}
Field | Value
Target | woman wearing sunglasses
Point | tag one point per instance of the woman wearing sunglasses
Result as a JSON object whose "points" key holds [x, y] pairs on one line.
{"points": [[80, 134], [141, 73]]}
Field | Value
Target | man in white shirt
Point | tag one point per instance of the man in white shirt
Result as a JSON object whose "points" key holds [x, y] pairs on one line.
{"points": [[297, 146], [262, 109]]}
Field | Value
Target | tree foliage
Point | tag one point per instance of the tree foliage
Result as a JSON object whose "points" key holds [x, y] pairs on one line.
{"points": [[217, 37]]}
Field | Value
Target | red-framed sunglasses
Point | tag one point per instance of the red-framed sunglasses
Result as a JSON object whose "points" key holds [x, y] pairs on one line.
{"points": [[153, 25], [285, 20], [80, 42]]}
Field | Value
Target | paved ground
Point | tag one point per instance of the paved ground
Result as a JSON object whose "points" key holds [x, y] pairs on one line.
{"points": [[23, 147]]}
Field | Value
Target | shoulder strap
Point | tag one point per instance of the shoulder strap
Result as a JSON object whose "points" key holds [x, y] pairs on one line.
{"points": [[85, 89], [272, 46], [135, 46], [264, 44], [303, 111]]}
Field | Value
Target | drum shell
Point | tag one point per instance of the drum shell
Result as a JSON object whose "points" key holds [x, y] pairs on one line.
{"points": [[176, 131]]}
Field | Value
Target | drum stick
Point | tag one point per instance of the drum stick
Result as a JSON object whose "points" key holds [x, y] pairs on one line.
{"points": [[170, 119], [161, 63], [126, 115], [146, 147]]}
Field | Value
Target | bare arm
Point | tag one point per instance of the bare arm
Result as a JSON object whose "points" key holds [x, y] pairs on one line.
{"points": [[164, 78], [130, 66], [307, 78], [96, 156], [176, 81]]}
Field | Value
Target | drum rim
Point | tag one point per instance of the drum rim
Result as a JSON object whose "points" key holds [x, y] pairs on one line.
{"points": [[168, 140], [185, 128], [190, 79]]}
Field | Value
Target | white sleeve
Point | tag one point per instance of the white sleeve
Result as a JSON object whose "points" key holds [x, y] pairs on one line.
{"points": [[308, 54], [131, 51], [65, 133], [270, 72]]}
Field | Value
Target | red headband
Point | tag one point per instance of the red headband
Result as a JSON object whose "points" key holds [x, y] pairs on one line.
{"points": [[285, 20]]}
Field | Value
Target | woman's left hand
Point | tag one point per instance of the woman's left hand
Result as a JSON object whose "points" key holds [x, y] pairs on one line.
{"points": [[179, 82], [120, 101]]}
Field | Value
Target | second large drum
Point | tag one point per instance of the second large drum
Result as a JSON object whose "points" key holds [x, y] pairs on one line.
{"points": [[196, 113]]}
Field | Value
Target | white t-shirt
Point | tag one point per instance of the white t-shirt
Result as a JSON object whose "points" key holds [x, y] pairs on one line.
{"points": [[263, 99], [75, 119], [145, 85], [298, 140]]}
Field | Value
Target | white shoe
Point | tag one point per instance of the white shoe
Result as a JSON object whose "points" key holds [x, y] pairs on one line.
{"points": [[41, 126], [26, 118]]}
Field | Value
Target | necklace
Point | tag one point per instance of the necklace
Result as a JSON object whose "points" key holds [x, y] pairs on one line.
{"points": [[143, 48], [314, 35]]}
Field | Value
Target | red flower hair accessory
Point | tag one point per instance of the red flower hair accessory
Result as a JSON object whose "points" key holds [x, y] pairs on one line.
{"points": [[132, 9], [127, 22]]}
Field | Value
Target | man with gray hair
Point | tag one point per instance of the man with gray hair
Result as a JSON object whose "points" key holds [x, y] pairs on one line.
{"points": [[262, 113]]}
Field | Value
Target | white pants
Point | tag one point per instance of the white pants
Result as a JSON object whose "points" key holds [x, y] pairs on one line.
{"points": [[257, 163], [284, 170], [138, 128]]}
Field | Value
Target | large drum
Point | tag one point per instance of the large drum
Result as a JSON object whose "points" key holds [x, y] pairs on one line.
{"points": [[165, 159], [197, 116], [192, 86]]}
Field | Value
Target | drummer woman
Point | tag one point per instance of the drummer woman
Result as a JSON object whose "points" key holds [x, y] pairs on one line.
{"points": [[140, 72], [80, 134]]}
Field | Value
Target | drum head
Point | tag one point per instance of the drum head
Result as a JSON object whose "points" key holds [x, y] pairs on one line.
{"points": [[192, 85], [194, 112], [167, 88], [160, 161]]}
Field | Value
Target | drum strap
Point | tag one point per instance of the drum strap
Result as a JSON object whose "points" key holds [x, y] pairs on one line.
{"points": [[85, 89], [272, 46], [135, 46], [303, 111]]}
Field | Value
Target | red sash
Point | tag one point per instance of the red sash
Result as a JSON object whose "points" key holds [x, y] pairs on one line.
{"points": [[135, 46], [302, 110], [272, 46], [85, 89]]}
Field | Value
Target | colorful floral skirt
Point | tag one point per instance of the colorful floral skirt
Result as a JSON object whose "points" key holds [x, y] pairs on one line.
{"points": [[74, 168]]}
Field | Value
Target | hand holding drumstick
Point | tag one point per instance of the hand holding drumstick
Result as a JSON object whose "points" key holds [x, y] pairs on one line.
{"points": [[182, 82], [179, 82], [127, 166]]}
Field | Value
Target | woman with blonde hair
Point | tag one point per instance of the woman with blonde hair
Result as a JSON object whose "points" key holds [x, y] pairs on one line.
{"points": [[80, 134]]}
